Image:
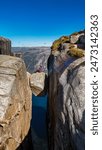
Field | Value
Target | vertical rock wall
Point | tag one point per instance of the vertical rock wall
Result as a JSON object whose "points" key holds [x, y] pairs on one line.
{"points": [[5, 46], [15, 103], [66, 103]]}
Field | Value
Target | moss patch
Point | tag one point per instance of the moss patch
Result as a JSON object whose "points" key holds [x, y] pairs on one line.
{"points": [[56, 44], [76, 52]]}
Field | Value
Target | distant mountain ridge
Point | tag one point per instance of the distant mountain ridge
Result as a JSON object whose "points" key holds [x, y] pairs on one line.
{"points": [[29, 48], [34, 57]]}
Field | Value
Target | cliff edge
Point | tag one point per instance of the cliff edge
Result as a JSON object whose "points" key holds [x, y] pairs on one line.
{"points": [[15, 103], [66, 104]]}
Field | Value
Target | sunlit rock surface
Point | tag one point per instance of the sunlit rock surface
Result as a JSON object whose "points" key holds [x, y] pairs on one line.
{"points": [[15, 103], [37, 83]]}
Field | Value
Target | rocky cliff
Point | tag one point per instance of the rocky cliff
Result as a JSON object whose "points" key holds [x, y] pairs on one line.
{"points": [[5, 46], [66, 112], [15, 104], [16, 88]]}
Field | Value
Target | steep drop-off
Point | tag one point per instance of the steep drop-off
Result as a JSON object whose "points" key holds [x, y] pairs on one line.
{"points": [[5, 46], [66, 112], [15, 104], [66, 94]]}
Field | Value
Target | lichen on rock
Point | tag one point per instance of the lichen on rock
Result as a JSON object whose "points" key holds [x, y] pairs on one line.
{"points": [[66, 104], [57, 43], [76, 52], [73, 45]]}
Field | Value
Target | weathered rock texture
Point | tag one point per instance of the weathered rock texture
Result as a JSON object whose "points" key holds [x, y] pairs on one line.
{"points": [[73, 45], [15, 103], [66, 95], [5, 46], [37, 83]]}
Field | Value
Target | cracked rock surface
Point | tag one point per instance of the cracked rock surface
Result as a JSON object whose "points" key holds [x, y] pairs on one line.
{"points": [[66, 108], [66, 98], [15, 103]]}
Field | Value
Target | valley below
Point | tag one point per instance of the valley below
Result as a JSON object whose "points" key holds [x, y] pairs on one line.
{"points": [[42, 95], [35, 58]]}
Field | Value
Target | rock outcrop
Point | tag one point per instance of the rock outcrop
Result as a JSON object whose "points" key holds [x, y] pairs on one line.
{"points": [[66, 112], [15, 103], [73, 45], [5, 46]]}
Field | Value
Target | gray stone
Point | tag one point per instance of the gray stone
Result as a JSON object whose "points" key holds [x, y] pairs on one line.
{"points": [[5, 46], [66, 105], [78, 38], [37, 82]]}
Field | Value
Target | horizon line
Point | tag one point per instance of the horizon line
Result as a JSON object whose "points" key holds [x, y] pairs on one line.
{"points": [[32, 46]]}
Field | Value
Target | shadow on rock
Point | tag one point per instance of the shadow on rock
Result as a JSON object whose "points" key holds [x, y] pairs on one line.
{"points": [[27, 143]]}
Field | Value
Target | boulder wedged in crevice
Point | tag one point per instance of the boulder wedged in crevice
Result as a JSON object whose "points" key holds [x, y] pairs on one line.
{"points": [[38, 83]]}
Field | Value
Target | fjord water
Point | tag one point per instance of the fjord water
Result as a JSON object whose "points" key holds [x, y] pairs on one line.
{"points": [[39, 121]]}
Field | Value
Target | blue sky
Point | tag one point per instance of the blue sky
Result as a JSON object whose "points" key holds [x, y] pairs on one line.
{"points": [[40, 22]]}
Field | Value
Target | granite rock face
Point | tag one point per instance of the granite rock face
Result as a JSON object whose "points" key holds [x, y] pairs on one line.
{"points": [[66, 112], [15, 103], [37, 83], [5, 46], [78, 37]]}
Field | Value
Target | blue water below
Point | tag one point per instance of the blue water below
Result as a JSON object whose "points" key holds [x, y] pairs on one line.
{"points": [[39, 109]]}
